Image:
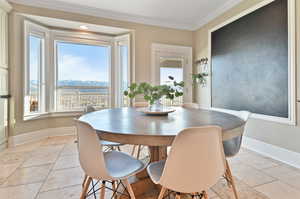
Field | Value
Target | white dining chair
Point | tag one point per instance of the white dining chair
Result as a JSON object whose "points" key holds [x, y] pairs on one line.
{"points": [[107, 145], [191, 105], [196, 162], [109, 167], [233, 146], [188, 106]]}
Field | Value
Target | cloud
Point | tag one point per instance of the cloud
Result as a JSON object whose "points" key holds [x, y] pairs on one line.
{"points": [[72, 67]]}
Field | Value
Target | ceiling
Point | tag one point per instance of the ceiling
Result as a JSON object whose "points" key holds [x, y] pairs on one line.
{"points": [[74, 25], [182, 14]]}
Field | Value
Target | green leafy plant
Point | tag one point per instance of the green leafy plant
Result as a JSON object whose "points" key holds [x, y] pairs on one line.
{"points": [[199, 78], [153, 93]]}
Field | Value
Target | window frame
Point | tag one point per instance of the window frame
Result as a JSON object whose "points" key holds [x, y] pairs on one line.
{"points": [[99, 43], [49, 66], [32, 29], [123, 40]]}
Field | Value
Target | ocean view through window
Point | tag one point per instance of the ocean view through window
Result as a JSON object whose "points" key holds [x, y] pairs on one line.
{"points": [[82, 76]]}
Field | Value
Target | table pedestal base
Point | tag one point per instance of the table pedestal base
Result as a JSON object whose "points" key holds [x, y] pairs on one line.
{"points": [[142, 185]]}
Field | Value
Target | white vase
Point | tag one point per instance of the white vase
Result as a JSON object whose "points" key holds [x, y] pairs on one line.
{"points": [[156, 106]]}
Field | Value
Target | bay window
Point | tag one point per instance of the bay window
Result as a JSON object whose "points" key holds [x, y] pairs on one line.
{"points": [[66, 71]]}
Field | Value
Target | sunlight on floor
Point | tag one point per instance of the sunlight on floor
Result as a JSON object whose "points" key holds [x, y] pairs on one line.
{"points": [[50, 169]]}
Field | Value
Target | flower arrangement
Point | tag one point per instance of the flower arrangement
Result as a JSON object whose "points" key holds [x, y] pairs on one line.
{"points": [[153, 93]]}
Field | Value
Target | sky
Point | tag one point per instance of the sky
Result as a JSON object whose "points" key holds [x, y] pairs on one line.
{"points": [[83, 62], [177, 73], [34, 57], [75, 61]]}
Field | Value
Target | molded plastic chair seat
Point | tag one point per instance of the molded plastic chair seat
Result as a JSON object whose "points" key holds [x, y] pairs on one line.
{"points": [[120, 165], [155, 170]]}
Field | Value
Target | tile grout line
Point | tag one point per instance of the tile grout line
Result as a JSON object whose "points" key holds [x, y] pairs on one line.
{"points": [[275, 180], [39, 191], [19, 167]]}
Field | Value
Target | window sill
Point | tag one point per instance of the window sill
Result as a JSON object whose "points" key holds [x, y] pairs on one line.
{"points": [[52, 115]]}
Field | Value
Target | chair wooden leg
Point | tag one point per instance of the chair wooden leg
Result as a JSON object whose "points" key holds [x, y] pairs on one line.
{"points": [[229, 175], [84, 180], [227, 178], [133, 150], [129, 188], [139, 152], [119, 149], [102, 193], [205, 195], [114, 189], [85, 188], [162, 193], [177, 196]]}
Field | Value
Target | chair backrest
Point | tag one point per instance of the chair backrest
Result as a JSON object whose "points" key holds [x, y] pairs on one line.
{"points": [[196, 160], [89, 109], [233, 146], [140, 104], [90, 152], [244, 115], [191, 105]]}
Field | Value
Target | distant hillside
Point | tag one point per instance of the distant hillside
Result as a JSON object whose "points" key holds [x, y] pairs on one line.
{"points": [[34, 87], [81, 83]]}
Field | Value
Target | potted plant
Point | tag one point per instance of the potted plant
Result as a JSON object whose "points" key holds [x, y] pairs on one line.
{"points": [[153, 93], [199, 78]]}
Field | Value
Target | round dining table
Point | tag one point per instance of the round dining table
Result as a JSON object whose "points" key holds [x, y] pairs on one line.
{"points": [[131, 126]]}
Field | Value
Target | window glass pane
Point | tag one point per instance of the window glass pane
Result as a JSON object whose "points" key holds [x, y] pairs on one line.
{"points": [[82, 76], [32, 98], [177, 73], [124, 74]]}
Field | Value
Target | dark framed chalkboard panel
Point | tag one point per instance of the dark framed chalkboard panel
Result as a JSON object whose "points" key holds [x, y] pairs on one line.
{"points": [[252, 62]]}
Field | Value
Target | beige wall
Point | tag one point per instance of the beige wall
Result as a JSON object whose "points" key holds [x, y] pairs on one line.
{"points": [[144, 36], [274, 133], [281, 135]]}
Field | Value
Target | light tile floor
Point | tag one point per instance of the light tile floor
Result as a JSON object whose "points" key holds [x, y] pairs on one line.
{"points": [[50, 169]]}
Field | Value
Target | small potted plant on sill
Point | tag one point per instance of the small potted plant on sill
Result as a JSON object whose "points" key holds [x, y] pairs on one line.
{"points": [[154, 93], [199, 78]]}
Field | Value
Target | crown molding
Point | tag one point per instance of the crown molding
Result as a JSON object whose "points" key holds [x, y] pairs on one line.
{"points": [[5, 5], [97, 12], [219, 11]]}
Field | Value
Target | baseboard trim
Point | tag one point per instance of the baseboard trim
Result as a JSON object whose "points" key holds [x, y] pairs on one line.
{"points": [[40, 134], [283, 155], [3, 146]]}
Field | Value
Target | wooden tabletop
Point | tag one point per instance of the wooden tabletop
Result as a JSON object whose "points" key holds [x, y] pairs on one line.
{"points": [[128, 125]]}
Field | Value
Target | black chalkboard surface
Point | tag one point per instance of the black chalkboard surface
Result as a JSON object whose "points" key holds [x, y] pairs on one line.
{"points": [[250, 62]]}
